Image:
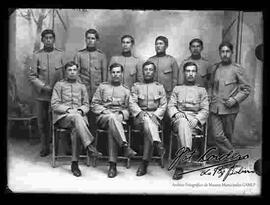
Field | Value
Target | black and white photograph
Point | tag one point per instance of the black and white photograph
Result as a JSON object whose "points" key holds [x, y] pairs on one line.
{"points": [[130, 101]]}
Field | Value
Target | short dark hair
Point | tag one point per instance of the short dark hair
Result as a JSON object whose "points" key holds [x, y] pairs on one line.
{"points": [[164, 39], [190, 64], [114, 65], [70, 64], [196, 40], [92, 31], [47, 31], [225, 43], [128, 36], [149, 63]]}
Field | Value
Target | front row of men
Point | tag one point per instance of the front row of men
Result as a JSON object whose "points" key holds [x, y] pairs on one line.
{"points": [[113, 104]]}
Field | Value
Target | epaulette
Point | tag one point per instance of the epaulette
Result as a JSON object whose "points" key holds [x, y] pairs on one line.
{"points": [[137, 83], [40, 50], [188, 58], [237, 65], [62, 80], [100, 50], [157, 83], [82, 50], [125, 86], [104, 83], [58, 49]]}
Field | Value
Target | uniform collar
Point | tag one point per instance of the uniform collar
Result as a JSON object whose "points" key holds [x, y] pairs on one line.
{"points": [[48, 49], [198, 57], [91, 49], [161, 54], [126, 54]]}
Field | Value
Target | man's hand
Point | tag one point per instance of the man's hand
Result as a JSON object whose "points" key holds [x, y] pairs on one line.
{"points": [[193, 122], [230, 102], [80, 112], [179, 115], [141, 115], [72, 111]]}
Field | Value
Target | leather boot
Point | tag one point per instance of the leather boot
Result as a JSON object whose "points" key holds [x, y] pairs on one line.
{"points": [[142, 170], [75, 169], [128, 152], [112, 170], [93, 151], [178, 173]]}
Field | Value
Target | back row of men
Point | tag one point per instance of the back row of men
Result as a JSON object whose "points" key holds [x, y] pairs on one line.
{"points": [[157, 81]]}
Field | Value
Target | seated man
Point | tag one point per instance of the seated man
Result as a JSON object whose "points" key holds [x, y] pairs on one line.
{"points": [[188, 109], [110, 104], [147, 105], [70, 104]]}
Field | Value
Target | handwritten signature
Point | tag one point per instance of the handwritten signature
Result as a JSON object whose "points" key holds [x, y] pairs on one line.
{"points": [[184, 154]]}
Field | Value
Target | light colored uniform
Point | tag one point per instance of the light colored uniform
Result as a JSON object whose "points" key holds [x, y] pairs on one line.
{"points": [[132, 69], [115, 99], [72, 95], [192, 101], [226, 81], [150, 98], [46, 69], [92, 68], [203, 74]]}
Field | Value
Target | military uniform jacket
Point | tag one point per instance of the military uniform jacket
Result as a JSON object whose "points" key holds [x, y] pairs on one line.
{"points": [[150, 97], [93, 68], [114, 98], [190, 100], [227, 81], [203, 74], [69, 95], [132, 69], [167, 71], [46, 69]]}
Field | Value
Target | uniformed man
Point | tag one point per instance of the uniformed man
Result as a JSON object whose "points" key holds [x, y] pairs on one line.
{"points": [[132, 64], [92, 63], [147, 105], [188, 109], [229, 87], [203, 76], [167, 68], [45, 70], [110, 104], [70, 103]]}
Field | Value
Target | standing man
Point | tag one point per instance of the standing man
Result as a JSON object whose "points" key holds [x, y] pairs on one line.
{"points": [[202, 79], [132, 65], [92, 63], [167, 68], [45, 71], [147, 105], [229, 87], [70, 104], [188, 109], [110, 104]]}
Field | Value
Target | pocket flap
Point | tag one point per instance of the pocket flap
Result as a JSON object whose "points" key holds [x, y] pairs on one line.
{"points": [[167, 71], [228, 82]]}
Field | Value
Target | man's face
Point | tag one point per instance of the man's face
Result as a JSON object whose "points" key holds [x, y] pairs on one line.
{"points": [[48, 40], [148, 72], [225, 54], [71, 72], [126, 44], [91, 40], [195, 48], [160, 46], [190, 73], [116, 74]]}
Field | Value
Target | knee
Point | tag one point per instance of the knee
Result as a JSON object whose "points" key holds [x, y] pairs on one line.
{"points": [[76, 118]]}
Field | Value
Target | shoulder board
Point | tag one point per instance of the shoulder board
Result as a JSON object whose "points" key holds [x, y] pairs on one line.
{"points": [[237, 65], [100, 51], [157, 83], [125, 86], [203, 58], [137, 83], [38, 51], [84, 49], [152, 57], [134, 56], [62, 80], [104, 83], [58, 49], [186, 59]]}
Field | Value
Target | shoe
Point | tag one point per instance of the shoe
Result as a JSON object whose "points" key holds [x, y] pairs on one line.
{"points": [[142, 170], [112, 170], [75, 169], [128, 152], [44, 153], [93, 151], [178, 174]]}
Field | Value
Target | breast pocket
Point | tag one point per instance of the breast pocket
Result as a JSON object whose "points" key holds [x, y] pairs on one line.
{"points": [[167, 71], [230, 82]]}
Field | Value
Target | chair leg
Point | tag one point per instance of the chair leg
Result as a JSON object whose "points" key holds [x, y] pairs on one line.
{"points": [[53, 149], [170, 149], [128, 163], [87, 159], [95, 144]]}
